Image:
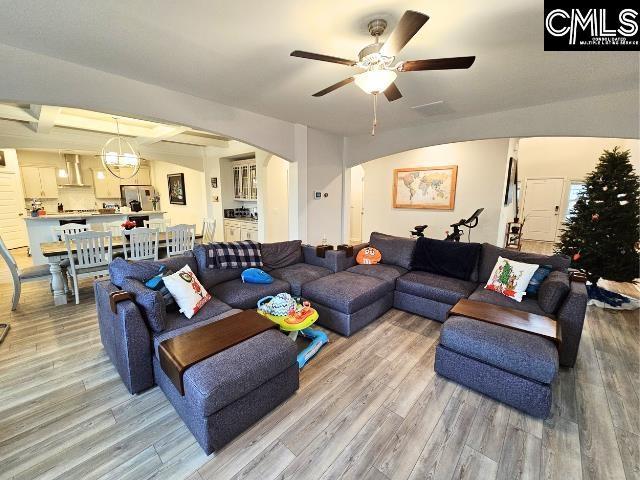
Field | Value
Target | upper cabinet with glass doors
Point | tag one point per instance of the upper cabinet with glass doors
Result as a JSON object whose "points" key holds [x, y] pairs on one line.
{"points": [[245, 184]]}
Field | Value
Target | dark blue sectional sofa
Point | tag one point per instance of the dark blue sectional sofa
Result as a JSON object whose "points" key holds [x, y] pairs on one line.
{"points": [[229, 391]]}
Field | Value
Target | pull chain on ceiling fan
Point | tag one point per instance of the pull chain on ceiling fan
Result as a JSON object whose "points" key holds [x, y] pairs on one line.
{"points": [[377, 58]]}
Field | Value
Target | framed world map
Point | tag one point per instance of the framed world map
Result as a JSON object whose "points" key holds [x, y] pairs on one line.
{"points": [[428, 187]]}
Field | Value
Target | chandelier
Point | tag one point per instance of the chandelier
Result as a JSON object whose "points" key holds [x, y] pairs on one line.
{"points": [[119, 157]]}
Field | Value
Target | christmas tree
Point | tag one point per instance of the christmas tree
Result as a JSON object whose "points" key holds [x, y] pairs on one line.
{"points": [[601, 233]]}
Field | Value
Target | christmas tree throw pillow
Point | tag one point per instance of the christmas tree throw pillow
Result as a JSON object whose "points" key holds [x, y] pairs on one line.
{"points": [[187, 291], [511, 278]]}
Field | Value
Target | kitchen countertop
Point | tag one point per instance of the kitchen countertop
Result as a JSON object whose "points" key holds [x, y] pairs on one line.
{"points": [[240, 219], [65, 216]]}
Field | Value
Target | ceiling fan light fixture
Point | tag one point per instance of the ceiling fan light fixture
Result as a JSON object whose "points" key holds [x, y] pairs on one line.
{"points": [[375, 81]]}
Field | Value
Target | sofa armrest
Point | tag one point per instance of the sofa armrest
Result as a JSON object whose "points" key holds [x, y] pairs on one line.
{"points": [[571, 318], [351, 261], [125, 337]]}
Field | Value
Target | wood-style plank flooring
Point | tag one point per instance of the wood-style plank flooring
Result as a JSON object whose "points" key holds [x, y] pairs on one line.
{"points": [[369, 407]]}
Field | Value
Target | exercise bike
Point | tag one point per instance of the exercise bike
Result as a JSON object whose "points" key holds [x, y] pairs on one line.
{"points": [[470, 223]]}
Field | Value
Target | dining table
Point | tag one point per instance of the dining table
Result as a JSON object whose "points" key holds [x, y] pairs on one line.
{"points": [[56, 253]]}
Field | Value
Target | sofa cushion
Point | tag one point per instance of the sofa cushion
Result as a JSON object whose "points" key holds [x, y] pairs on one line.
{"points": [[451, 259], [211, 309], [435, 287], [394, 250], [299, 274], [212, 276], [346, 291], [553, 291], [388, 273], [246, 295], [530, 356], [143, 270], [490, 254], [281, 254], [149, 302], [527, 304]]}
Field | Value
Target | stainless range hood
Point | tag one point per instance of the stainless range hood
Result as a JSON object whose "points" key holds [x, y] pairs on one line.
{"points": [[74, 172]]}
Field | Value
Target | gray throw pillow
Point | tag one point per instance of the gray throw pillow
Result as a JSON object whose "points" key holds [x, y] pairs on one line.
{"points": [[150, 303], [281, 254], [553, 291], [395, 250]]}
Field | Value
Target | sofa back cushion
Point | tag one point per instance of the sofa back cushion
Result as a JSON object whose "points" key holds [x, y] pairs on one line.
{"points": [[143, 270], [281, 254], [451, 259], [553, 291], [210, 277], [395, 250], [150, 303], [490, 254]]}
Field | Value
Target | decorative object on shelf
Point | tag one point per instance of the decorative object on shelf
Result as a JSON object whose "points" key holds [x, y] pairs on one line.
{"points": [[321, 250], [601, 231], [119, 157], [154, 201], [377, 60], [177, 192], [128, 224], [425, 187], [36, 207]]}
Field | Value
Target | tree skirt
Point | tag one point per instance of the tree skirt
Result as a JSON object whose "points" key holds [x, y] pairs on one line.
{"points": [[602, 298]]}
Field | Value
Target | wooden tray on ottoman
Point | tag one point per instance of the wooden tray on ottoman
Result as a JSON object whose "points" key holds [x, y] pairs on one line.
{"points": [[510, 318], [181, 352]]}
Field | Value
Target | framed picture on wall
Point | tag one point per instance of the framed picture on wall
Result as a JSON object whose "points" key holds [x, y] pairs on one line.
{"points": [[425, 187], [511, 191], [3, 162], [177, 192]]}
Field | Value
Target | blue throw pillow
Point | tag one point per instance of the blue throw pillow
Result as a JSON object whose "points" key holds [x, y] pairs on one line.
{"points": [[157, 284], [255, 275], [539, 276]]}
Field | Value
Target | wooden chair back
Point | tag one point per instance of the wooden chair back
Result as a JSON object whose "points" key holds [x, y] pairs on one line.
{"points": [[180, 239], [11, 262], [93, 249], [140, 244], [159, 224], [114, 227], [60, 232]]}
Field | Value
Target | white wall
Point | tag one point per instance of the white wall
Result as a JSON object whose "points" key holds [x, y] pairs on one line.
{"points": [[356, 182], [570, 158], [276, 199], [481, 168], [194, 180]]}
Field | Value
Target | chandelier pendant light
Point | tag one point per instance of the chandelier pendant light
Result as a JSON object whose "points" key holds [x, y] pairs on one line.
{"points": [[119, 157]]}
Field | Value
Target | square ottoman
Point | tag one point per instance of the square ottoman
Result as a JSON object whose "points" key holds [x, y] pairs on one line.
{"points": [[511, 366], [346, 301], [228, 392]]}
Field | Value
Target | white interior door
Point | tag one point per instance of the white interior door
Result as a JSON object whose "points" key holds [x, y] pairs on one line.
{"points": [[12, 227], [542, 200]]}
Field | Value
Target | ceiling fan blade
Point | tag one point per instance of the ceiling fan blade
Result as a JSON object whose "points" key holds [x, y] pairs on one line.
{"points": [[392, 93], [437, 64], [333, 87], [322, 58], [407, 27]]}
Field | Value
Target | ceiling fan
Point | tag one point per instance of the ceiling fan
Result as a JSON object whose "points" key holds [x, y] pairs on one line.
{"points": [[377, 59]]}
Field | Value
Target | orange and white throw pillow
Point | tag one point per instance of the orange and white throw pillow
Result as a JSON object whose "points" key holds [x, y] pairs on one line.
{"points": [[511, 278], [368, 256], [187, 291]]}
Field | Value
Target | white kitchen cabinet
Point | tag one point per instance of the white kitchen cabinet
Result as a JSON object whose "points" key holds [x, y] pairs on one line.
{"points": [[143, 177], [232, 233], [105, 184], [236, 230], [249, 234], [245, 182], [39, 182]]}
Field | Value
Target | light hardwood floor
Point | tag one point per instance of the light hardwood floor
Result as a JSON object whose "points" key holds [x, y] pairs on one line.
{"points": [[369, 407]]}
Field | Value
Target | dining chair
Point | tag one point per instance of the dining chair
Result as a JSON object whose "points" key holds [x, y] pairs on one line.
{"points": [[159, 224], [22, 275], [59, 232], [208, 230], [140, 244], [93, 254], [180, 239], [114, 227]]}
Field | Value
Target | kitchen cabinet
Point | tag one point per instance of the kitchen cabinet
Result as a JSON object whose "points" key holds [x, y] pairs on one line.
{"points": [[236, 230], [143, 177], [105, 185], [245, 183], [39, 182]]}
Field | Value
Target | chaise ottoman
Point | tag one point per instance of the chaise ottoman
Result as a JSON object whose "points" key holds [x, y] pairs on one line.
{"points": [[347, 302], [511, 366], [226, 393]]}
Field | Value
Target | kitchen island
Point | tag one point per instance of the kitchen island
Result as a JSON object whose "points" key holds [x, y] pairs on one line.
{"points": [[40, 229]]}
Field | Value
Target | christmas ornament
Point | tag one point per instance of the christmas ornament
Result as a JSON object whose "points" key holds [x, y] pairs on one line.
{"points": [[595, 217], [576, 257]]}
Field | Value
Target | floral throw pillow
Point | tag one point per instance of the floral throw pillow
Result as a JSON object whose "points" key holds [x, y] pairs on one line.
{"points": [[511, 278], [187, 291]]}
